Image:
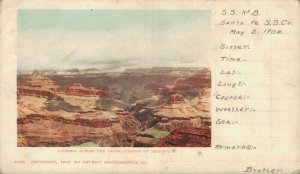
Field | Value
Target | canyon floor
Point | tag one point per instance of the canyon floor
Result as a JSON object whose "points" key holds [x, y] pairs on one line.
{"points": [[155, 107]]}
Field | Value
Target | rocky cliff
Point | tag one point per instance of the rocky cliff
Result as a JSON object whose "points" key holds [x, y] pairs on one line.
{"points": [[53, 130], [187, 137], [78, 90], [27, 91], [37, 86], [83, 122]]}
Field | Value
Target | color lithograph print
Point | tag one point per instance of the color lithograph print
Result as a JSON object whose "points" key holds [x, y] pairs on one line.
{"points": [[114, 78]]}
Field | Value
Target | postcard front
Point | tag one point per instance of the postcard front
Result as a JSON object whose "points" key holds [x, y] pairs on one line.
{"points": [[149, 87]]}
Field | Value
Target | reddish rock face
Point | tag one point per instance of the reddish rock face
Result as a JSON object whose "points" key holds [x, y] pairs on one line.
{"points": [[167, 89], [53, 130], [38, 87], [37, 93], [83, 122], [161, 91], [78, 90], [204, 92], [187, 137], [199, 80], [142, 144], [176, 99]]}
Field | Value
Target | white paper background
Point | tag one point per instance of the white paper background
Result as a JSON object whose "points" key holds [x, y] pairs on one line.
{"points": [[273, 78]]}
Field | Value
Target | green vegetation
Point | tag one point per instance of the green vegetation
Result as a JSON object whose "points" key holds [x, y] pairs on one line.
{"points": [[55, 105], [152, 135], [87, 144]]}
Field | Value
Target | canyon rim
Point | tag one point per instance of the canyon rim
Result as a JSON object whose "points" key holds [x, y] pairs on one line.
{"points": [[113, 78]]}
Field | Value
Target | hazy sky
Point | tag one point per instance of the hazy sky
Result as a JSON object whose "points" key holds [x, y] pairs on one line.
{"points": [[112, 40]]}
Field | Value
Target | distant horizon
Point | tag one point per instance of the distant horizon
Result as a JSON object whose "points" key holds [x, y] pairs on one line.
{"points": [[86, 69], [112, 40]]}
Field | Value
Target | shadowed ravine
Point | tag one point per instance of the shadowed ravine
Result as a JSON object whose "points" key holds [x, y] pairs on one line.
{"points": [[158, 107]]}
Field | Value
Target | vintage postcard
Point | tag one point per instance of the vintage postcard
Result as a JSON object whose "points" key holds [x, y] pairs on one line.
{"points": [[116, 78], [134, 86]]}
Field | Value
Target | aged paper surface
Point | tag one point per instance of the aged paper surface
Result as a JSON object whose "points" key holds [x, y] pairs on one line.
{"points": [[149, 86]]}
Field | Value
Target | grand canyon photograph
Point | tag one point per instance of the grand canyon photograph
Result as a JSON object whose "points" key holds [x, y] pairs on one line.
{"points": [[113, 78]]}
